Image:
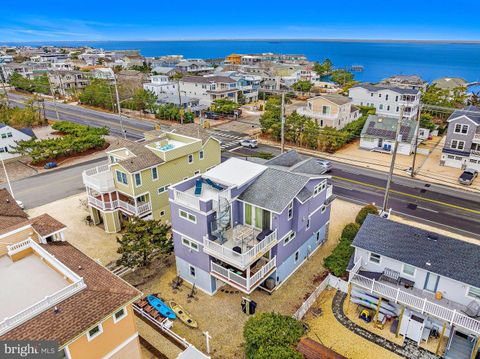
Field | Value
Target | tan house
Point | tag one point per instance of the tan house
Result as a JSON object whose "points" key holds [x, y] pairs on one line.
{"points": [[330, 110], [52, 291], [136, 179]]}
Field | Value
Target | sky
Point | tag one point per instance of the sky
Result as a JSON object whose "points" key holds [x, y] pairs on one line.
{"points": [[53, 20]]}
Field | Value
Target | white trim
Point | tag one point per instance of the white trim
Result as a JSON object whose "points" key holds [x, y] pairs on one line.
{"points": [[66, 350], [194, 276], [187, 218], [456, 118], [189, 245], [461, 127], [151, 172], [468, 290], [370, 256], [8, 234], [414, 270], [135, 179], [121, 346], [188, 158], [125, 313], [202, 157], [458, 141], [89, 337], [288, 235]]}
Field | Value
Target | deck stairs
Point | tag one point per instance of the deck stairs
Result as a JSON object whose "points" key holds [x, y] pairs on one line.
{"points": [[460, 348]]}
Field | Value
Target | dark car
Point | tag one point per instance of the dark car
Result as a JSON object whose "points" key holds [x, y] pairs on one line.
{"points": [[49, 165], [211, 115], [468, 176]]}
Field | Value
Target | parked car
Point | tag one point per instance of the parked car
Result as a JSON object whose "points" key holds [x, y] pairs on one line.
{"points": [[249, 143], [211, 115], [50, 165], [20, 204], [326, 164], [468, 176]]}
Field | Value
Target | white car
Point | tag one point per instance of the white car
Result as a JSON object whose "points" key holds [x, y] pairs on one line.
{"points": [[20, 204], [249, 143]]}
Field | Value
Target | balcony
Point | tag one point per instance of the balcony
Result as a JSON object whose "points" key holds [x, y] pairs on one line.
{"points": [[186, 199], [99, 178], [475, 153], [244, 281], [416, 299], [241, 247], [317, 115], [114, 201]]}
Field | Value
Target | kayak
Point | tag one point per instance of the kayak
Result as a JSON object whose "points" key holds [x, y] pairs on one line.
{"points": [[183, 315], [373, 299], [366, 303], [161, 307]]}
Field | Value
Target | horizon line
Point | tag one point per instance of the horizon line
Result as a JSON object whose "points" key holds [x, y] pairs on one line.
{"points": [[444, 41]]}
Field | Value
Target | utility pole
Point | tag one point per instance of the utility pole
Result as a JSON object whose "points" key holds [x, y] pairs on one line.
{"points": [[6, 175], [119, 109], [54, 93], [180, 101], [282, 119], [392, 164], [4, 87], [419, 114]]}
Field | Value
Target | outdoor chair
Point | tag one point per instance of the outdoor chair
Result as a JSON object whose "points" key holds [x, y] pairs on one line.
{"points": [[390, 275], [472, 309]]}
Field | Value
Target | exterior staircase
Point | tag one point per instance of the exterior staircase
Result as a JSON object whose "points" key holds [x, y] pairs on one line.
{"points": [[460, 348]]}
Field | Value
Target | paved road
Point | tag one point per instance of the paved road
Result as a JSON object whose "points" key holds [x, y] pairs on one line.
{"points": [[441, 205], [134, 128]]}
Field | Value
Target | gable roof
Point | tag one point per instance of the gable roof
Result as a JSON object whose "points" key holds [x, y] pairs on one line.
{"points": [[45, 224], [274, 189], [104, 294], [386, 128], [375, 88], [470, 112], [10, 212], [446, 256], [449, 83], [334, 98], [143, 157]]}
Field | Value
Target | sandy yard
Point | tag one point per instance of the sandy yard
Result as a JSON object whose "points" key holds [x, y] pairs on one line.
{"points": [[91, 240], [221, 314], [337, 337]]}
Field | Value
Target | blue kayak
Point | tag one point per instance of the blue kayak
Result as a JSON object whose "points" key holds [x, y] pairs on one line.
{"points": [[161, 307]]}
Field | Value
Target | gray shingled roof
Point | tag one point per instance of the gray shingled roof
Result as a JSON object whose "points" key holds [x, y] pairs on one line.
{"points": [[144, 158], [304, 194], [375, 88], [337, 99], [472, 112], [287, 159], [274, 189], [208, 79], [449, 257], [309, 166]]}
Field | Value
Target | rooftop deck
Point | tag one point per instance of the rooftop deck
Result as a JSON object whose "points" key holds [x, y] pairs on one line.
{"points": [[29, 280]]}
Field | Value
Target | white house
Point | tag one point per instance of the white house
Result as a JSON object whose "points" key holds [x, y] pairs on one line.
{"points": [[209, 89], [378, 134], [8, 138], [428, 283], [387, 100], [161, 85]]}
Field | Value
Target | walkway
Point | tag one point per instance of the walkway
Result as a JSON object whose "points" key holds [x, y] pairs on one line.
{"points": [[408, 350]]}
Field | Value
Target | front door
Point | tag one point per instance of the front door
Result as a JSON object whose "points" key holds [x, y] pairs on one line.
{"points": [[415, 328], [265, 220], [380, 142]]}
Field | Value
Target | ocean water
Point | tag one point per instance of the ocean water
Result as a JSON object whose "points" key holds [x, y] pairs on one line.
{"points": [[380, 59]]}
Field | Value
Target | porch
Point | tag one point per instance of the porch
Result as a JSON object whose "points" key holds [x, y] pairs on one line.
{"points": [[135, 206]]}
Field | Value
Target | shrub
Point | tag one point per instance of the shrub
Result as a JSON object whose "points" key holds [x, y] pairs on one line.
{"points": [[350, 231], [337, 262], [364, 212], [277, 352], [268, 332]]}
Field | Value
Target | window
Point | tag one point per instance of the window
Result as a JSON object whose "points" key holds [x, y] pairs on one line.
{"points": [[201, 155], [371, 94], [290, 210], [197, 172], [408, 270], [163, 189], [188, 216], [457, 145], [396, 99], [375, 258], [459, 128], [317, 236], [190, 158], [122, 177], [308, 223], [288, 238], [138, 179], [162, 213], [192, 272], [322, 210], [398, 108], [379, 95], [474, 292], [386, 97], [388, 107], [380, 107], [325, 110], [431, 282], [118, 316], [4, 135], [190, 244], [296, 256], [94, 332], [154, 173], [319, 188]]}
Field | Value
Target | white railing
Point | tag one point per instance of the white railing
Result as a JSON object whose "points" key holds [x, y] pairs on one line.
{"points": [[99, 178], [355, 269], [145, 207], [240, 260], [300, 313], [476, 137], [104, 205], [186, 199], [329, 191], [50, 300], [111, 205], [422, 305], [475, 152], [246, 283]]}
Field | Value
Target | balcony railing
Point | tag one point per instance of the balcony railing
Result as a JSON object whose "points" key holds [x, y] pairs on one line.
{"points": [[246, 284], [476, 138], [50, 300], [475, 152], [240, 260], [423, 305], [99, 178], [119, 204], [186, 199]]}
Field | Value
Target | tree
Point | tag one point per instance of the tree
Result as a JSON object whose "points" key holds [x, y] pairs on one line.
{"points": [[342, 77], [41, 84], [302, 85], [474, 99], [20, 82], [142, 100], [337, 262], [277, 352], [145, 68], [270, 119], [436, 96], [350, 231], [426, 121], [224, 106], [323, 68], [143, 241], [364, 212], [98, 93], [269, 332]]}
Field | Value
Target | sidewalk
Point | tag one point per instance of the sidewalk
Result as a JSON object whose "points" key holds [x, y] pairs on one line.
{"points": [[428, 168]]}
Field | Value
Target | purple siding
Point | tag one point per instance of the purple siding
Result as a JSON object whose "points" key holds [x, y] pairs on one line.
{"points": [[184, 226], [198, 259]]}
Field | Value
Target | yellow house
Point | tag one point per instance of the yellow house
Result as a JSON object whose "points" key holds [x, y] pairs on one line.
{"points": [[234, 59], [135, 181], [52, 291]]}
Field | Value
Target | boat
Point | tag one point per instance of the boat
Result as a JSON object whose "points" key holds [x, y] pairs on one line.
{"points": [[183, 315], [161, 307]]}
